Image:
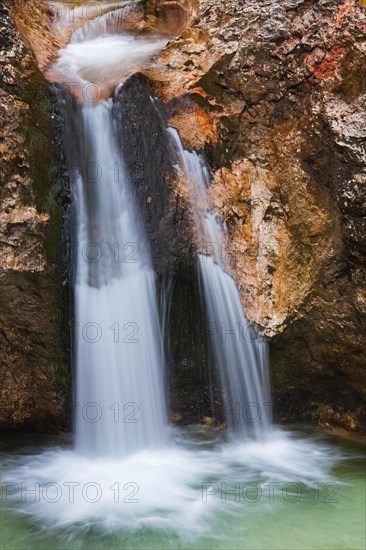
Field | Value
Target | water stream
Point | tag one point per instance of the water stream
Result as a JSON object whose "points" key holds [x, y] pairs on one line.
{"points": [[119, 363], [240, 356]]}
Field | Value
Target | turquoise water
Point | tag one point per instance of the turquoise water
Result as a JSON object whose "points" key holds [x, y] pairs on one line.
{"points": [[295, 490]]}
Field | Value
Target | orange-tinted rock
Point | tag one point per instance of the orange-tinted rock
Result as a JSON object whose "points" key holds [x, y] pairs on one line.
{"points": [[284, 84]]}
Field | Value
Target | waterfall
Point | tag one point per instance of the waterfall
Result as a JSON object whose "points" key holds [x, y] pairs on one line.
{"points": [[120, 398], [240, 356], [102, 54], [94, 17], [120, 402], [119, 353], [113, 22], [127, 484]]}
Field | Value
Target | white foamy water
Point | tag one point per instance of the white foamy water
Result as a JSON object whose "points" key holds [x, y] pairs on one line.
{"points": [[120, 402], [178, 488], [68, 15], [114, 22], [92, 67], [105, 57]]}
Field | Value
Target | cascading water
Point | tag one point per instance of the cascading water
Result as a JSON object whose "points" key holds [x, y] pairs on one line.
{"points": [[113, 22], [120, 405], [68, 14], [118, 350], [240, 357], [101, 54]]}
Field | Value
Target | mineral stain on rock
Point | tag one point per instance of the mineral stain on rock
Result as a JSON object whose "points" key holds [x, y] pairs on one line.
{"points": [[288, 172]]}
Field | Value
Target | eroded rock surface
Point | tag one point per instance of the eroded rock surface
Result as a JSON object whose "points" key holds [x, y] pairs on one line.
{"points": [[34, 376], [282, 86]]}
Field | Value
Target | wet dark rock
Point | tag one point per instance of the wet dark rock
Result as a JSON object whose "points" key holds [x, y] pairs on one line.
{"points": [[151, 166]]}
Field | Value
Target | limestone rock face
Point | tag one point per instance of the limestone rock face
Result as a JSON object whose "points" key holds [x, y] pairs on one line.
{"points": [[280, 92], [33, 349]]}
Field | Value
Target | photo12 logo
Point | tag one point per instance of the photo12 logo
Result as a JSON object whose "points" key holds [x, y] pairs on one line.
{"points": [[70, 492], [87, 12], [253, 492], [92, 412]]}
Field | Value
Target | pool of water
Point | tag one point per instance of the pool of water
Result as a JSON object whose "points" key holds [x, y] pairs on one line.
{"points": [[293, 490]]}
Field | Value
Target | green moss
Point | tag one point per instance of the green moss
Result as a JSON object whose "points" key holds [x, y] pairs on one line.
{"points": [[49, 187], [209, 82], [49, 193], [284, 371]]}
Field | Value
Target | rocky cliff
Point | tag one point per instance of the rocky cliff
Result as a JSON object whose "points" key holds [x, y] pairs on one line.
{"points": [[274, 94], [35, 380], [279, 89]]}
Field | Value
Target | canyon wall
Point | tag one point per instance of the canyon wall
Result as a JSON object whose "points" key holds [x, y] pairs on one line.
{"points": [[274, 94], [278, 94]]}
